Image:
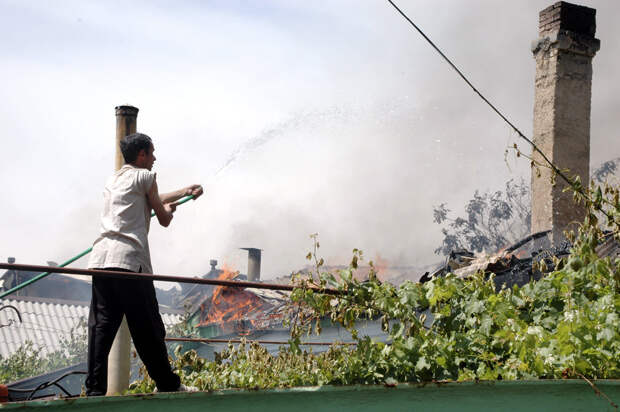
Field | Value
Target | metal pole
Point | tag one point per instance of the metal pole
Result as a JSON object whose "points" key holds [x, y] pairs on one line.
{"points": [[126, 119], [118, 360], [254, 256], [166, 278], [262, 342]]}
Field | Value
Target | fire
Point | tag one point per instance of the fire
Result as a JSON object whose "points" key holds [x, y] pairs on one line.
{"points": [[381, 265], [230, 304]]}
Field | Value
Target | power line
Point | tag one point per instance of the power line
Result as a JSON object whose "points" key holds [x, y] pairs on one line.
{"points": [[495, 109], [35, 326]]}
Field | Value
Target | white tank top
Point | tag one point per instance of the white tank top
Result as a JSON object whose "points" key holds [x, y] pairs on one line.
{"points": [[125, 220]]}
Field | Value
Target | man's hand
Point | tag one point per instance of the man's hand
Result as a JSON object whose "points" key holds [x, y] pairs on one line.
{"points": [[170, 207], [194, 190]]}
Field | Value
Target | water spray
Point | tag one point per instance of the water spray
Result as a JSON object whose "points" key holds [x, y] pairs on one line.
{"points": [[251, 144]]}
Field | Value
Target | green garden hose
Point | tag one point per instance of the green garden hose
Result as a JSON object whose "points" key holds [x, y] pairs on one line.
{"points": [[73, 259]]}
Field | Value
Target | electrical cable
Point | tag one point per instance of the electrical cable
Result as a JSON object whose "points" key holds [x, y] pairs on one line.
{"points": [[47, 384], [19, 316], [42, 328], [495, 109]]}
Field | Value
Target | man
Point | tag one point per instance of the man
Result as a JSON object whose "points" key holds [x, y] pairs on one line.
{"points": [[129, 196]]}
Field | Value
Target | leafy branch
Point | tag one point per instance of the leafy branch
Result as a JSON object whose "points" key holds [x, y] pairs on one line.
{"points": [[565, 325]]}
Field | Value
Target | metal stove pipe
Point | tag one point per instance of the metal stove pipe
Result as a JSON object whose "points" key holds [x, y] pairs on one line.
{"points": [[254, 256]]}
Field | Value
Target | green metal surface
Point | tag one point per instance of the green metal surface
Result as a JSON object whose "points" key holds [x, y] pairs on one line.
{"points": [[73, 259], [565, 395]]}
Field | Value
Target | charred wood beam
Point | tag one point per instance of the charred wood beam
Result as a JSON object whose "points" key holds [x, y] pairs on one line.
{"points": [[523, 241]]}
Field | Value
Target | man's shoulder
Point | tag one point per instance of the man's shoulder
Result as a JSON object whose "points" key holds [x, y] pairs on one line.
{"points": [[129, 175], [130, 171], [144, 176]]}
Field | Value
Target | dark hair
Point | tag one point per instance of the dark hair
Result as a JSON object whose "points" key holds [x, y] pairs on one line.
{"points": [[132, 144]]}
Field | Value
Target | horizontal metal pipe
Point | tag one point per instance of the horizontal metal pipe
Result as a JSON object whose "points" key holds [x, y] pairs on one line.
{"points": [[44, 274], [163, 278], [262, 342]]}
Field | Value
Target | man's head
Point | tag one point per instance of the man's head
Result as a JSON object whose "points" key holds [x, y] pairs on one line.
{"points": [[138, 150]]}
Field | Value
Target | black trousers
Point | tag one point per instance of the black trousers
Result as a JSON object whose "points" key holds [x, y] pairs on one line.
{"points": [[111, 299]]}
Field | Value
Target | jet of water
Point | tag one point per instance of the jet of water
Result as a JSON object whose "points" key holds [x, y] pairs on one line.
{"points": [[256, 142], [295, 121]]}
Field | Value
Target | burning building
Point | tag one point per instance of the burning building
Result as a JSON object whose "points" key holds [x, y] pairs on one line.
{"points": [[238, 311], [218, 310]]}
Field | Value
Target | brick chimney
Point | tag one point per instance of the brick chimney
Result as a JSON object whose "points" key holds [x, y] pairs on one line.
{"points": [[563, 56]]}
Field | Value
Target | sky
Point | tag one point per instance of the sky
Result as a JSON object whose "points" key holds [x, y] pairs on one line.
{"points": [[328, 117]]}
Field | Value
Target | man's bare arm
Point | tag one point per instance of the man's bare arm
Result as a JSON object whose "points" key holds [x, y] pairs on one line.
{"points": [[195, 190], [162, 210]]}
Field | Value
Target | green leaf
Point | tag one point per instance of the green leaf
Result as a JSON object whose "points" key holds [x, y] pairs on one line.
{"points": [[606, 334], [422, 363]]}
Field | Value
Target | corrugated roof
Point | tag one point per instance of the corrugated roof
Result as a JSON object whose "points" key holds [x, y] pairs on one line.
{"points": [[44, 321]]}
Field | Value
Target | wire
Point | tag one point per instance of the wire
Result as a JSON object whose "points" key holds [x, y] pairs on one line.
{"points": [[55, 383], [47, 384], [11, 321], [495, 109]]}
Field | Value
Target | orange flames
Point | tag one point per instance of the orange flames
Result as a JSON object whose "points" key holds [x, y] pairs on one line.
{"points": [[381, 265], [230, 304]]}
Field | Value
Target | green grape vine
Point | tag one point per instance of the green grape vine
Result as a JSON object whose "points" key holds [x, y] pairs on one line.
{"points": [[565, 325]]}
